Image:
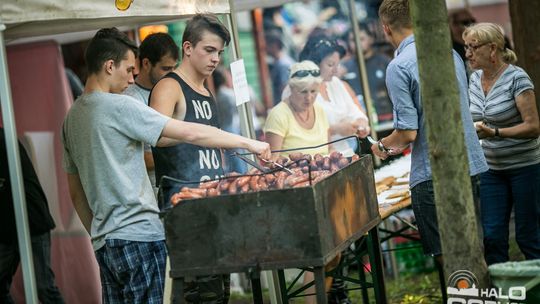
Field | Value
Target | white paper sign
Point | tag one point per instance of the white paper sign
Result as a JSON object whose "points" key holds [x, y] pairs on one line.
{"points": [[240, 84]]}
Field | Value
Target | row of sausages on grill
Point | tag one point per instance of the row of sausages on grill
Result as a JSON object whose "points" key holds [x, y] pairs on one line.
{"points": [[303, 167]]}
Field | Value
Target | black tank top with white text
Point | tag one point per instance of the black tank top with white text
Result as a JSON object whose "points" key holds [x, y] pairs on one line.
{"points": [[186, 161]]}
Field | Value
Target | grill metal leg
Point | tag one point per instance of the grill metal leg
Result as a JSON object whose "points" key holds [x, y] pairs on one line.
{"points": [[256, 288], [320, 289], [442, 281], [177, 295], [374, 249]]}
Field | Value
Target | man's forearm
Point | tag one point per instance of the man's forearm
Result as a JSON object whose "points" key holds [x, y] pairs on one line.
{"points": [[80, 203], [85, 214], [398, 140]]}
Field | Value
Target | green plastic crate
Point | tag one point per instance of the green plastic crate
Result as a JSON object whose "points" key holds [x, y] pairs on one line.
{"points": [[410, 258]]}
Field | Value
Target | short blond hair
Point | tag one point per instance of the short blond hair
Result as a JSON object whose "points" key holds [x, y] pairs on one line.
{"points": [[395, 14], [490, 33], [302, 83]]}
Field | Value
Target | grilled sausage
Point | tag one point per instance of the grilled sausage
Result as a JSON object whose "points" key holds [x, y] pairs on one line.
{"points": [[294, 179], [270, 178], [262, 184], [303, 162], [213, 192], [244, 188], [301, 184], [319, 159], [313, 165], [243, 180], [326, 163], [233, 187], [355, 157], [209, 184], [335, 156], [343, 162], [253, 183], [280, 180], [202, 192], [333, 167], [294, 156], [175, 199], [224, 185]]}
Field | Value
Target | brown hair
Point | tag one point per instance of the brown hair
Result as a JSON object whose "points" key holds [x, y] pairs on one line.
{"points": [[491, 33], [395, 14], [107, 44], [205, 22]]}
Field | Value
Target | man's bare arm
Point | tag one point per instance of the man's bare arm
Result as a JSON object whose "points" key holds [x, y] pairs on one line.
{"points": [[78, 198], [395, 143], [208, 136]]}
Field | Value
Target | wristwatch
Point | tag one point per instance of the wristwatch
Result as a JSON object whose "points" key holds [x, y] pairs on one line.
{"points": [[381, 147]]}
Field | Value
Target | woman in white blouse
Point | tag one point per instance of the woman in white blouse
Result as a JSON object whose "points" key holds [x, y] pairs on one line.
{"points": [[345, 115]]}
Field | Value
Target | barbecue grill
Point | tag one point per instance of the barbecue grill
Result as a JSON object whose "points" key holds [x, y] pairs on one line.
{"points": [[274, 229]]}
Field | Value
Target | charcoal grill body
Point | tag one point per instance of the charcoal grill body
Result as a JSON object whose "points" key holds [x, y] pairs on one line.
{"points": [[273, 229]]}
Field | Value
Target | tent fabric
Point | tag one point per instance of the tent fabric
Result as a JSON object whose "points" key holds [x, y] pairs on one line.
{"points": [[41, 99], [46, 17]]}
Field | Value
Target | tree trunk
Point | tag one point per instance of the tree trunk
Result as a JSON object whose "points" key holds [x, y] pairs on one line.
{"points": [[458, 227], [525, 28]]}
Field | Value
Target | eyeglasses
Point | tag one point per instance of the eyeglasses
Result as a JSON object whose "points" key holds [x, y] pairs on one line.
{"points": [[473, 48], [305, 73]]}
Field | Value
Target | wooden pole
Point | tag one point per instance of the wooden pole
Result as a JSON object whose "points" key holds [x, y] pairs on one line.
{"points": [[461, 245], [525, 27]]}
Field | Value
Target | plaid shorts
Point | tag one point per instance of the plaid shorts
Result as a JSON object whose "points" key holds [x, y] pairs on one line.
{"points": [[132, 272]]}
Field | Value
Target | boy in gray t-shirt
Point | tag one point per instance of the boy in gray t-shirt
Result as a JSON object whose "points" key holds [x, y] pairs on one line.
{"points": [[103, 136]]}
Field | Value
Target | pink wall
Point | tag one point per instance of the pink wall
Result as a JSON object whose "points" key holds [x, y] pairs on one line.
{"points": [[496, 13], [41, 99]]}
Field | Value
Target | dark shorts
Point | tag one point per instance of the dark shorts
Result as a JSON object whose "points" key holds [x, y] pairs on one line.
{"points": [[132, 272], [425, 213]]}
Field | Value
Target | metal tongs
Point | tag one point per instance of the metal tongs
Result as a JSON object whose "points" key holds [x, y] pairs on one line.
{"points": [[277, 165], [257, 166]]}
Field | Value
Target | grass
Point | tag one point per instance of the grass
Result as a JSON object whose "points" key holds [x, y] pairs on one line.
{"points": [[407, 289], [420, 288]]}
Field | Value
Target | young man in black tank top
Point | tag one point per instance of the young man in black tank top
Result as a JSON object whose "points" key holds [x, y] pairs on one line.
{"points": [[182, 94]]}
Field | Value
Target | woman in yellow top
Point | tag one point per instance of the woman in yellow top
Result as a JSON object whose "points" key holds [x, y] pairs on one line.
{"points": [[297, 121]]}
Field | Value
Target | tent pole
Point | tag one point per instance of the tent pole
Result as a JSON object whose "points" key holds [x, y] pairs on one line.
{"points": [[244, 110], [370, 108], [247, 129], [16, 178]]}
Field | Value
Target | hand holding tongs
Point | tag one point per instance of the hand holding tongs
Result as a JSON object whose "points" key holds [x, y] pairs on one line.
{"points": [[258, 166]]}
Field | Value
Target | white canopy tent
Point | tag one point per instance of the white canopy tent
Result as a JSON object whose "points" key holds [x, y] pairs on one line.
{"points": [[22, 19]]}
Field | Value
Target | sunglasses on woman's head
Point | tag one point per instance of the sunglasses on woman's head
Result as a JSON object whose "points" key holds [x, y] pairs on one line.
{"points": [[324, 41], [305, 73]]}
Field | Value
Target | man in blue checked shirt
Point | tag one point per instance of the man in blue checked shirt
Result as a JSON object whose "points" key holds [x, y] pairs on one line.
{"points": [[403, 84]]}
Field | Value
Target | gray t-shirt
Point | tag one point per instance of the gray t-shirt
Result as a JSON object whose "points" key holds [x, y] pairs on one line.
{"points": [[142, 95], [103, 137]]}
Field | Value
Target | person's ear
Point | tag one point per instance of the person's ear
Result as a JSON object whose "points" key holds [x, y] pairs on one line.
{"points": [[146, 63], [109, 66], [387, 30], [188, 48]]}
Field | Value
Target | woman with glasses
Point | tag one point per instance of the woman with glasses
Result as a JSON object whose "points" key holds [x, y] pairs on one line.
{"points": [[297, 121], [345, 115], [502, 103]]}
